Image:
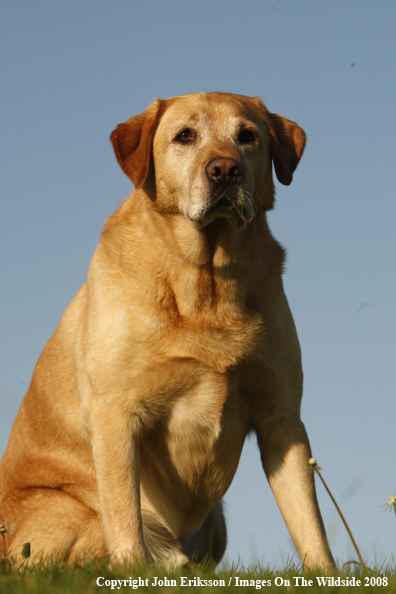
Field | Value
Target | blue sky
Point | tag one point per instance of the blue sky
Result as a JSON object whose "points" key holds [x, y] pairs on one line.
{"points": [[71, 71]]}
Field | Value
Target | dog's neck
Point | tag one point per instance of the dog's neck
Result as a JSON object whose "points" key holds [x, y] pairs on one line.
{"points": [[217, 245], [201, 267]]}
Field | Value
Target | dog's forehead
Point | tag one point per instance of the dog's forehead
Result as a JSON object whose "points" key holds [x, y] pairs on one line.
{"points": [[218, 110]]}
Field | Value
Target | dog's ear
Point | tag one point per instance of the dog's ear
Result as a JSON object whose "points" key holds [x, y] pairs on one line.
{"points": [[287, 142], [133, 142]]}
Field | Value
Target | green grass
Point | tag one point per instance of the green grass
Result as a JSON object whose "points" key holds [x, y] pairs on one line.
{"points": [[58, 578], [61, 579]]}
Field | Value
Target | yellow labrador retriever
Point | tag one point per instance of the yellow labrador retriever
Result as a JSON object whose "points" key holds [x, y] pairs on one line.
{"points": [[179, 344]]}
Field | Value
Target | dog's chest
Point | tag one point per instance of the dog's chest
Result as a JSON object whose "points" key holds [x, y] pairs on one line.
{"points": [[207, 412], [198, 445]]}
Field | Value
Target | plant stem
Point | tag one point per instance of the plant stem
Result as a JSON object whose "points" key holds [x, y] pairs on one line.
{"points": [[341, 516]]}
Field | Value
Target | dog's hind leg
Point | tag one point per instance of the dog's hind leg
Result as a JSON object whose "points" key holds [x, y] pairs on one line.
{"points": [[57, 526]]}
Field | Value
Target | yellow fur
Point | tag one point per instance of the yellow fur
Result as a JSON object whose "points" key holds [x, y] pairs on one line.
{"points": [[179, 344]]}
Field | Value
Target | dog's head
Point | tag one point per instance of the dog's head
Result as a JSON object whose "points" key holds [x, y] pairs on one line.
{"points": [[209, 155]]}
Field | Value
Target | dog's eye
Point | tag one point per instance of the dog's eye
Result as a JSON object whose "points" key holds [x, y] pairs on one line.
{"points": [[184, 136], [246, 137]]}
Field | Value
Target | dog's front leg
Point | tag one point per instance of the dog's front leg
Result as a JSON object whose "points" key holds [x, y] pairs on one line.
{"points": [[285, 452], [115, 436]]}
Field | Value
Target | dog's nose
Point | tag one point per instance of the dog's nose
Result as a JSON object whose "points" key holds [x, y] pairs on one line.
{"points": [[224, 171]]}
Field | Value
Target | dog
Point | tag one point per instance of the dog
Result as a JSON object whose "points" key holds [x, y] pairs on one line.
{"points": [[179, 344]]}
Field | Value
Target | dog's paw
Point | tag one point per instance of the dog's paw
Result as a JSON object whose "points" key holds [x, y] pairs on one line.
{"points": [[175, 559], [127, 557]]}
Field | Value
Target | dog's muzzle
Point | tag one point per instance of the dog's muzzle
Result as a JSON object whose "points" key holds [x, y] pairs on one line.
{"points": [[227, 197]]}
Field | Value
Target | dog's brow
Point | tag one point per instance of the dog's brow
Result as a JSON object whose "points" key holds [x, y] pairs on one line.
{"points": [[233, 123], [184, 121]]}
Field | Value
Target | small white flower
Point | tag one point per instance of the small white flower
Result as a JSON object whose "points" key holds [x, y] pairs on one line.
{"points": [[391, 502], [313, 464]]}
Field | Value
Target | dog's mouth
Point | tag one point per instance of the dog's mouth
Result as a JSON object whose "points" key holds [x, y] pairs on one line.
{"points": [[231, 209]]}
